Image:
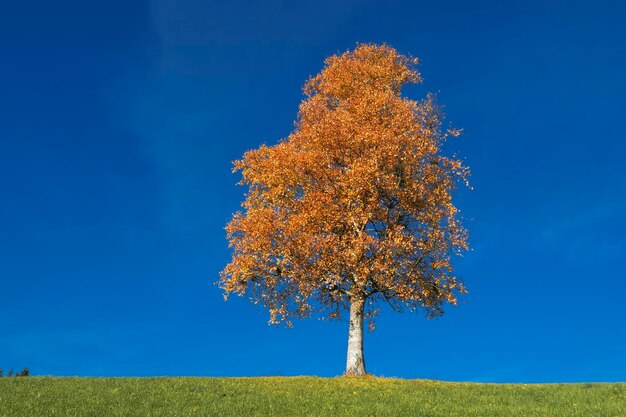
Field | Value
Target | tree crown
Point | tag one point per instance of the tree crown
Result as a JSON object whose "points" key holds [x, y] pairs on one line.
{"points": [[356, 203]]}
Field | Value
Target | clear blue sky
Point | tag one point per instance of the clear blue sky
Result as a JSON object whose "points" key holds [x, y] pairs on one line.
{"points": [[119, 122]]}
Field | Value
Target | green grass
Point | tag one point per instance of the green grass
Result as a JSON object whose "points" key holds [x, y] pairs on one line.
{"points": [[301, 396]]}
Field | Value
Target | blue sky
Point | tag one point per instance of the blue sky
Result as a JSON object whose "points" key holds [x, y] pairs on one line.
{"points": [[120, 121]]}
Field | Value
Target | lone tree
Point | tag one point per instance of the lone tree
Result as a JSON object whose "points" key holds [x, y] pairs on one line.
{"points": [[354, 207]]}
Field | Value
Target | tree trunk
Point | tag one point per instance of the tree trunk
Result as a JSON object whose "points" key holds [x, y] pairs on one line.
{"points": [[355, 364]]}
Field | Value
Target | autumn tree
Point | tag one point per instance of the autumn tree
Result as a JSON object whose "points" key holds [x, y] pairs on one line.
{"points": [[354, 207]]}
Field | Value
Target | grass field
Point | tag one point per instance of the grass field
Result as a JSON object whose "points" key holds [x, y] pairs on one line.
{"points": [[300, 396]]}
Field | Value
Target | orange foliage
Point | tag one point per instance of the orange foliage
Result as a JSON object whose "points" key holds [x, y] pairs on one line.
{"points": [[355, 204]]}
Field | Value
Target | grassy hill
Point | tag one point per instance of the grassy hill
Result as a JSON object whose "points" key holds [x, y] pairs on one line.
{"points": [[301, 396]]}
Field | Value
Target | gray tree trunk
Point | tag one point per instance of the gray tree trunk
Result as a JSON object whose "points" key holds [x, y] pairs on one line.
{"points": [[355, 364]]}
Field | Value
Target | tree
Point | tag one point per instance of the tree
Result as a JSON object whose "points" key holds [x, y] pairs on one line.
{"points": [[354, 207]]}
